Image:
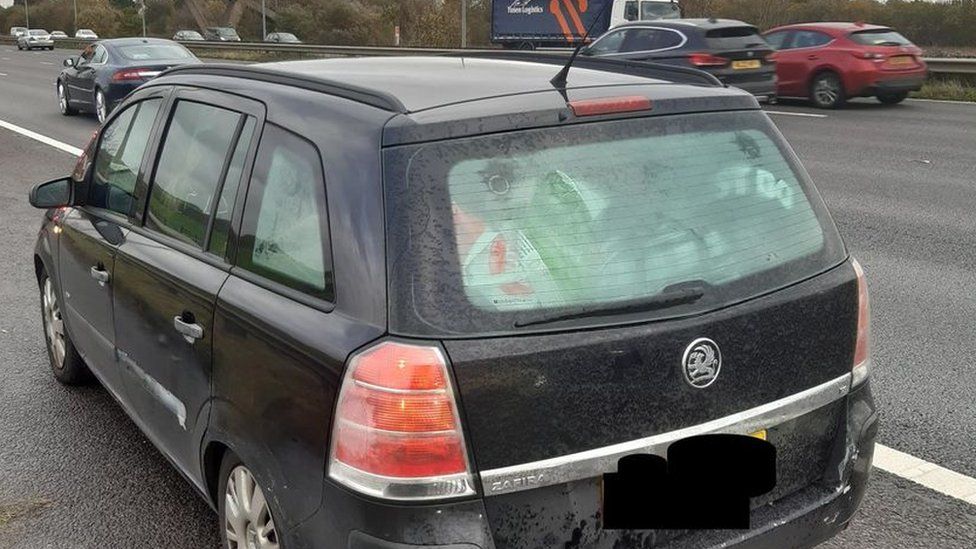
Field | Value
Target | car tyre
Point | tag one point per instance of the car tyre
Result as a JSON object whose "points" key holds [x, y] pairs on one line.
{"points": [[892, 98], [68, 366], [64, 102], [827, 91], [101, 107], [247, 517]]}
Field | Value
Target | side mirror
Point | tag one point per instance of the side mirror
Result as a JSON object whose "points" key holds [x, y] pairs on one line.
{"points": [[53, 194], [69, 62]]}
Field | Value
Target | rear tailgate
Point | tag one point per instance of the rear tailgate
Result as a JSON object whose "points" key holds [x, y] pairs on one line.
{"points": [[539, 258], [746, 50]]}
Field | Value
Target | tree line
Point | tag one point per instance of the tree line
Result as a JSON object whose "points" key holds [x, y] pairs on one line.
{"points": [[437, 22]]}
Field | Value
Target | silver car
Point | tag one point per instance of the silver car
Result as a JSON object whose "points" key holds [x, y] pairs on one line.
{"points": [[35, 38], [86, 34]]}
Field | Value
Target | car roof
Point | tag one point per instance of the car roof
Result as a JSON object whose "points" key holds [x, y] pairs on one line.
{"points": [[430, 98], [704, 24], [839, 26], [134, 41], [421, 83]]}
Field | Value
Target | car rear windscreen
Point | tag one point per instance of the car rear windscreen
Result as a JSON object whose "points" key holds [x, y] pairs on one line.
{"points": [[730, 38], [486, 232], [880, 37], [152, 52]]}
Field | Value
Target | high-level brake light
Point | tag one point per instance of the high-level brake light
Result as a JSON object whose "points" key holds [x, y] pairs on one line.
{"points": [[610, 105]]}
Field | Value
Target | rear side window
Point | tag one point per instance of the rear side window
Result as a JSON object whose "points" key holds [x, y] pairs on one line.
{"points": [[224, 210], [650, 39], [284, 237], [610, 43], [152, 52], [119, 157], [101, 54], [488, 231], [728, 38], [880, 37], [195, 149]]}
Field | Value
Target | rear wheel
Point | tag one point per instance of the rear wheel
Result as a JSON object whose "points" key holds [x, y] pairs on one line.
{"points": [[827, 91], [64, 102], [892, 98], [68, 366], [245, 513]]}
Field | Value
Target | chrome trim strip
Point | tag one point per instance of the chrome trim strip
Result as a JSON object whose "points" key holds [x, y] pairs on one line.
{"points": [[593, 463], [402, 489]]}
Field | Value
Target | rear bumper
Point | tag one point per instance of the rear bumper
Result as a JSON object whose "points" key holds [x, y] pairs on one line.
{"points": [[764, 88], [895, 85], [803, 518]]}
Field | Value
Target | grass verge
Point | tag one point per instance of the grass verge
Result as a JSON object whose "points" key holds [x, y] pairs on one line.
{"points": [[949, 88]]}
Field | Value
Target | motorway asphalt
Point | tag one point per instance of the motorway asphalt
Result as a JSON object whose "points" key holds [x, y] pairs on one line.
{"points": [[900, 182]]}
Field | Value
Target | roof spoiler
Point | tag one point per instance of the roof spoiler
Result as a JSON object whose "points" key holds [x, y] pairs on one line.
{"points": [[660, 71]]}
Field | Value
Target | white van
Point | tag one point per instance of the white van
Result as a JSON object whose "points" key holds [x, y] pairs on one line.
{"points": [[642, 10]]}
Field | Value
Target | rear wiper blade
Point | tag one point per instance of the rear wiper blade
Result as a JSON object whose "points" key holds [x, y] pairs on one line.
{"points": [[663, 300]]}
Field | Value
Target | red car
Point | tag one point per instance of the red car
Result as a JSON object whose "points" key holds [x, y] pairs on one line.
{"points": [[831, 62]]}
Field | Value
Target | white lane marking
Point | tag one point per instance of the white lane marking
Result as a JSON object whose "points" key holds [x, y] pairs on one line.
{"points": [[930, 475], [804, 114], [46, 63], [42, 138], [3, 74], [949, 101]]}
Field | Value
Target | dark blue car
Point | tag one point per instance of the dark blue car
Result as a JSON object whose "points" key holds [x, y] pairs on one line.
{"points": [[731, 50], [107, 70]]}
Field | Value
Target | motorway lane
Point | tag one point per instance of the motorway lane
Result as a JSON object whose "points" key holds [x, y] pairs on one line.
{"points": [[97, 482], [28, 97], [901, 184]]}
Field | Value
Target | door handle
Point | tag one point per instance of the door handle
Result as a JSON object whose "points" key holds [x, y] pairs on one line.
{"points": [[189, 330], [100, 274], [812, 57]]}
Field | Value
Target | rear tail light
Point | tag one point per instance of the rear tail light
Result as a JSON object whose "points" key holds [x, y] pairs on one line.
{"points": [[707, 60], [867, 55], [862, 349], [610, 105], [126, 75], [396, 432], [770, 57]]}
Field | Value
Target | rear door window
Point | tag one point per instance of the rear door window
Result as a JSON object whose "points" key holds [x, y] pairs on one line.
{"points": [[778, 39], [880, 37], [488, 231], [810, 39], [730, 38], [284, 236], [609, 43], [195, 150]]}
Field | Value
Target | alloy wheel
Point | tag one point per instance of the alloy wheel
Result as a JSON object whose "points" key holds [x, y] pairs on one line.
{"points": [[247, 517], [53, 324], [62, 100], [100, 111], [826, 91]]}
